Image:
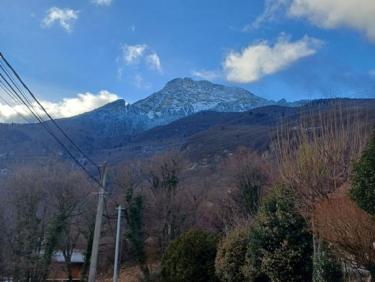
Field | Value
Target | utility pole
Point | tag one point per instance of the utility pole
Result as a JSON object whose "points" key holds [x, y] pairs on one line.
{"points": [[117, 251], [98, 225]]}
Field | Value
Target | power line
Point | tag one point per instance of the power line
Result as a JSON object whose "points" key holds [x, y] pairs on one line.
{"points": [[2, 99], [48, 115], [8, 91], [102, 172], [26, 103], [16, 93], [43, 123], [14, 83]]}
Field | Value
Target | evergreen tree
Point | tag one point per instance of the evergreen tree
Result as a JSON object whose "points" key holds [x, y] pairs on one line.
{"points": [[327, 267], [135, 228], [279, 244], [191, 257], [363, 179], [231, 254]]}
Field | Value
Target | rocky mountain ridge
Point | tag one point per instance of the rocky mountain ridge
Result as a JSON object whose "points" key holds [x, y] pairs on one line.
{"points": [[181, 97]]}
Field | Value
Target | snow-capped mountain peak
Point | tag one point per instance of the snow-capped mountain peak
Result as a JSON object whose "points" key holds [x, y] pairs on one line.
{"points": [[183, 96], [179, 98]]}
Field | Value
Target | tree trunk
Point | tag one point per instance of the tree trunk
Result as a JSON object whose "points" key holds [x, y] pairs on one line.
{"points": [[86, 264], [372, 273]]}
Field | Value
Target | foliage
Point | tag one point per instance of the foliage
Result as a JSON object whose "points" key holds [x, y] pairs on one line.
{"points": [[39, 220], [363, 179], [349, 229], [55, 229], [231, 254], [327, 267], [191, 257], [279, 244], [135, 228], [88, 250], [26, 233]]}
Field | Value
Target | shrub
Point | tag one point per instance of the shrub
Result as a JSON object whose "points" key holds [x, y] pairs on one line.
{"points": [[349, 229], [326, 266], [230, 256], [363, 179], [191, 257], [279, 243]]}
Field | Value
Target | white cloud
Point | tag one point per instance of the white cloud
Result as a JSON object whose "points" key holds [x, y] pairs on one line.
{"points": [[132, 53], [356, 14], [102, 2], [372, 73], [328, 14], [261, 59], [65, 17], [68, 107], [139, 54], [271, 11], [205, 74], [153, 61]]}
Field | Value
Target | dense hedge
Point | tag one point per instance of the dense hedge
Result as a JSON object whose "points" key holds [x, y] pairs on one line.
{"points": [[327, 267], [191, 257], [363, 179], [280, 244], [231, 254]]}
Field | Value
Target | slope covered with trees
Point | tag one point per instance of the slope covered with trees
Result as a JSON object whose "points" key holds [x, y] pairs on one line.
{"points": [[300, 210]]}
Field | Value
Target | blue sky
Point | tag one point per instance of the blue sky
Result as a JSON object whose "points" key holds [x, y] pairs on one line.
{"points": [[293, 49]]}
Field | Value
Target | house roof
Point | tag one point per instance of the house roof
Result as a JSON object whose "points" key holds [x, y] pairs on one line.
{"points": [[77, 256]]}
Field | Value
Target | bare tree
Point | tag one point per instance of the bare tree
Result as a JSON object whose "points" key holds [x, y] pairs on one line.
{"points": [[42, 211], [166, 201], [234, 190], [250, 177], [315, 156], [26, 224]]}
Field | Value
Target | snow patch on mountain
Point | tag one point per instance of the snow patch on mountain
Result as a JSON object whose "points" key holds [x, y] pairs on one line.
{"points": [[183, 96], [179, 98]]}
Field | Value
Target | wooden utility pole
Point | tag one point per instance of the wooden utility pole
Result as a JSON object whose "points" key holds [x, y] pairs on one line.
{"points": [[98, 225]]}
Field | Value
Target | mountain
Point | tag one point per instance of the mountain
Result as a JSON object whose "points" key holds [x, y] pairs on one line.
{"points": [[182, 97], [199, 118], [179, 98], [208, 135], [115, 124]]}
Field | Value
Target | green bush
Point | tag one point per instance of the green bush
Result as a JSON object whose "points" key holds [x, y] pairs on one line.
{"points": [[327, 267], [363, 179], [191, 257], [279, 243], [230, 256]]}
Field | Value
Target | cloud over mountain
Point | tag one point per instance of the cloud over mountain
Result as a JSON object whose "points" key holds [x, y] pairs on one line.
{"points": [[206, 74], [131, 54], [140, 53], [153, 61], [68, 107], [261, 59]]}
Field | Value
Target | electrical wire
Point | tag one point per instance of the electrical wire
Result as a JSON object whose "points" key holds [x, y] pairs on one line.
{"points": [[3, 100], [48, 115], [10, 87]]}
